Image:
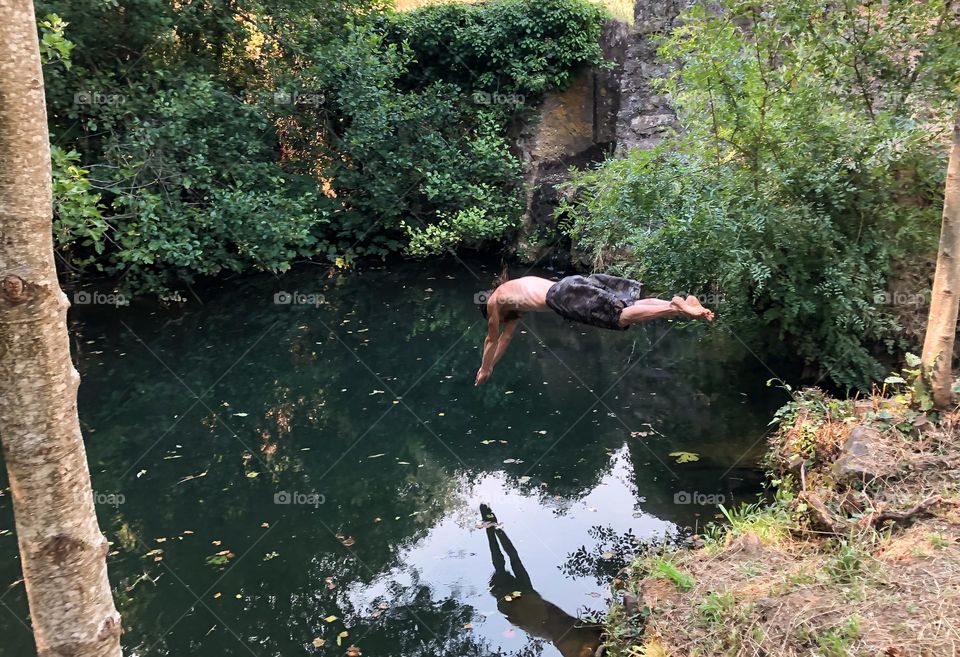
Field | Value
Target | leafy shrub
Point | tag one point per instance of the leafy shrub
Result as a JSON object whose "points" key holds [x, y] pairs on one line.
{"points": [[198, 139], [794, 189]]}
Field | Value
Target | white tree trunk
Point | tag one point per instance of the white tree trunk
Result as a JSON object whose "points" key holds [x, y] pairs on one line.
{"points": [[62, 550], [937, 355]]}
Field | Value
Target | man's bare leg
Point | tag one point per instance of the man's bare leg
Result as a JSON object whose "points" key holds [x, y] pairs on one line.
{"points": [[647, 309]]}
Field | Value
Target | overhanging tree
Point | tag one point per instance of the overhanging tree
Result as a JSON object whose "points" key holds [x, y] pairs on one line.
{"points": [[937, 357], [62, 550]]}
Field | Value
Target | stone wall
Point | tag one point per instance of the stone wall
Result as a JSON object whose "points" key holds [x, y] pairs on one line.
{"points": [[643, 115], [602, 112]]}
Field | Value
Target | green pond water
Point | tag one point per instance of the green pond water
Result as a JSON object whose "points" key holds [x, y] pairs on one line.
{"points": [[272, 475]]}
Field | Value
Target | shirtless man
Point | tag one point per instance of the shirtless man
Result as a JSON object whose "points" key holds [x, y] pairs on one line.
{"points": [[600, 300]]}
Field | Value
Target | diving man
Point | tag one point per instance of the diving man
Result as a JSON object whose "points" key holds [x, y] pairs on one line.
{"points": [[609, 302]]}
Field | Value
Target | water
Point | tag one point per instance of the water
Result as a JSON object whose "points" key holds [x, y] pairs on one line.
{"points": [[273, 475]]}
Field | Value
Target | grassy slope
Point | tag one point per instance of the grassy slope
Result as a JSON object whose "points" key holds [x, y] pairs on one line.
{"points": [[823, 570]]}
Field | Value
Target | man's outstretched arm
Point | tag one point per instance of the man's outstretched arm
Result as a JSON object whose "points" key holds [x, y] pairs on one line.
{"points": [[509, 327], [490, 345]]}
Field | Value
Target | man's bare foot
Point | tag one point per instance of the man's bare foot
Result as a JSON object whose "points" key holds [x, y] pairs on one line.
{"points": [[705, 313], [691, 307]]}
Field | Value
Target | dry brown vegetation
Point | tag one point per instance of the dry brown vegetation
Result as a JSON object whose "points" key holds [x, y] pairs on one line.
{"points": [[859, 555]]}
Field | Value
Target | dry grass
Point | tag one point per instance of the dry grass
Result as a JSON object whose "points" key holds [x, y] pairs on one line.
{"points": [[620, 9]]}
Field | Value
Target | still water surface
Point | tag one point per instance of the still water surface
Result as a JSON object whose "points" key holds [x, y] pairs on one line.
{"points": [[273, 475]]}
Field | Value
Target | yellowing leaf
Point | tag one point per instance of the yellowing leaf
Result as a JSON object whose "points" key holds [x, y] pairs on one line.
{"points": [[330, 619], [685, 457], [340, 637], [319, 643]]}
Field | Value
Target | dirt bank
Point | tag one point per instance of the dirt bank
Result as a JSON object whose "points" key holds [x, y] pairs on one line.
{"points": [[859, 554]]}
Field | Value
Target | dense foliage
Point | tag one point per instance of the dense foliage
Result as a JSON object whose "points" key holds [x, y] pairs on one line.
{"points": [[810, 167], [195, 138]]}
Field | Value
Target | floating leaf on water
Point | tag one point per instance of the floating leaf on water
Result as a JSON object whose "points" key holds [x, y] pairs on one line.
{"points": [[217, 595], [348, 542], [319, 643], [340, 637], [508, 598], [508, 461], [487, 442], [251, 475], [330, 619], [403, 463], [239, 415], [376, 456], [685, 457], [265, 525], [440, 414], [516, 594]]}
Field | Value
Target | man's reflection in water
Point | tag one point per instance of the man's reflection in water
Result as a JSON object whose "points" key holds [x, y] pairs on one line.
{"points": [[530, 612]]}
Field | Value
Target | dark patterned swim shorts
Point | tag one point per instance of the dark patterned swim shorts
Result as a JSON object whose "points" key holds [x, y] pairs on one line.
{"points": [[596, 300]]}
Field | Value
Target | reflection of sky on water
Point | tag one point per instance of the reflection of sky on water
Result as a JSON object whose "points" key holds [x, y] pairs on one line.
{"points": [[455, 559]]}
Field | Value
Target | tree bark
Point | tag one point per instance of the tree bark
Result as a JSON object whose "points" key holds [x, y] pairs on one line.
{"points": [[937, 358], [62, 550]]}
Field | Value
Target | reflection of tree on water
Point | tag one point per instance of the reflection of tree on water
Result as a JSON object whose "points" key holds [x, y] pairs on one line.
{"points": [[529, 611], [613, 552]]}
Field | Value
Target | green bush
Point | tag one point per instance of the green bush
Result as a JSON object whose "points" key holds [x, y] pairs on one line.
{"points": [[196, 139], [793, 190]]}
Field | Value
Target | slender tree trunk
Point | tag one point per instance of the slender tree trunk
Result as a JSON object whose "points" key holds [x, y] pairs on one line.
{"points": [[62, 551], [937, 355]]}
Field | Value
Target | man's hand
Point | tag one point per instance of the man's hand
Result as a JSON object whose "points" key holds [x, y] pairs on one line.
{"points": [[482, 376]]}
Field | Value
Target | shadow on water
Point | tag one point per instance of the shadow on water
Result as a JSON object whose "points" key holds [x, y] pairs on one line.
{"points": [[273, 474]]}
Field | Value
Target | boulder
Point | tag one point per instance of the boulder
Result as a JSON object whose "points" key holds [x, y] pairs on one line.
{"points": [[863, 456]]}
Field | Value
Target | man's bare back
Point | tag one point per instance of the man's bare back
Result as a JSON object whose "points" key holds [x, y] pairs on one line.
{"points": [[526, 294], [601, 300]]}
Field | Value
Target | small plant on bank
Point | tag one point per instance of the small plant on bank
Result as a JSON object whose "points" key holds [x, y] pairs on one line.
{"points": [[839, 641], [660, 566]]}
